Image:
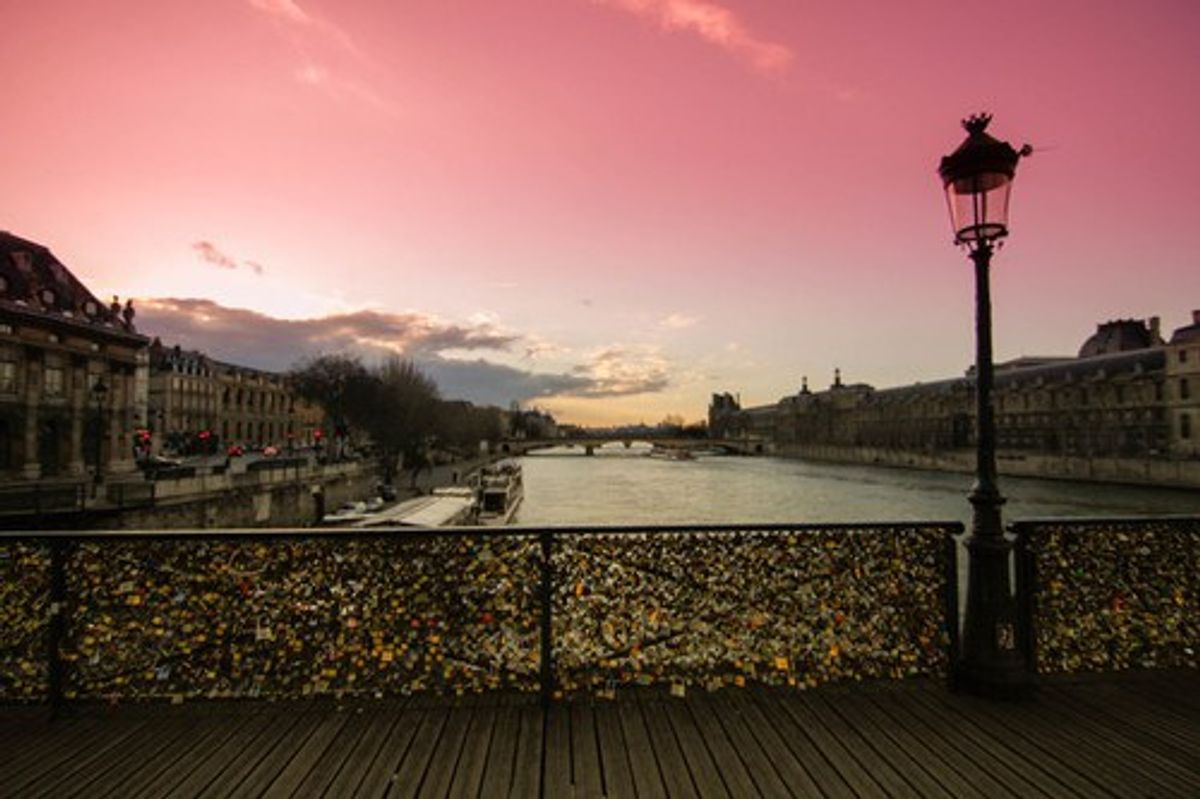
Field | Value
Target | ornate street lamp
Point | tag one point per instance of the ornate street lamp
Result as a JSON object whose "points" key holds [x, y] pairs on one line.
{"points": [[99, 391], [978, 177]]}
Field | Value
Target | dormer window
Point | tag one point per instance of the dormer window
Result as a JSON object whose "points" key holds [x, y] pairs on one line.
{"points": [[90, 309]]}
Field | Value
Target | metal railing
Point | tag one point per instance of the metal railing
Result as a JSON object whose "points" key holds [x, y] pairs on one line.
{"points": [[1109, 594], [290, 613]]}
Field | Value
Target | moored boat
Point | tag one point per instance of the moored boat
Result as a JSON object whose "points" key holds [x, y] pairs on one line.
{"points": [[500, 492]]}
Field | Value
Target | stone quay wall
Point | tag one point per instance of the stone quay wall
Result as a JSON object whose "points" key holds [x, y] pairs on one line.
{"points": [[1135, 471], [287, 496]]}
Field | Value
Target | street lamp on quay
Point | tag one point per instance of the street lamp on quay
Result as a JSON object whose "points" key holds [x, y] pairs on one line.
{"points": [[978, 177], [99, 391]]}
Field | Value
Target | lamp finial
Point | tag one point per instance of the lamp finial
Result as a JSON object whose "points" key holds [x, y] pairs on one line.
{"points": [[977, 123]]}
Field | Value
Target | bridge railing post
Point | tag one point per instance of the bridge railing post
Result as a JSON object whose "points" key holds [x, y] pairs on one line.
{"points": [[546, 539]]}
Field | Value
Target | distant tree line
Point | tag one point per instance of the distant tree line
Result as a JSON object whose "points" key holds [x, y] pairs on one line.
{"points": [[397, 407]]}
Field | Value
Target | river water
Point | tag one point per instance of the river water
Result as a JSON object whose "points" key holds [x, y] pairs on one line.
{"points": [[623, 486]]}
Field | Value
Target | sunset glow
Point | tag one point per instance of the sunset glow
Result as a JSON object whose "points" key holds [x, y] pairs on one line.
{"points": [[606, 208]]}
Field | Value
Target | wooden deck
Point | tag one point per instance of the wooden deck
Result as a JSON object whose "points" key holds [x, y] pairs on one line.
{"points": [[1129, 736]]}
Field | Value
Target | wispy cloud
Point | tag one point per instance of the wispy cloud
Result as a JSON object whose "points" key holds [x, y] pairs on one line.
{"points": [[318, 42], [211, 254], [289, 12], [284, 9], [714, 23], [677, 321]]}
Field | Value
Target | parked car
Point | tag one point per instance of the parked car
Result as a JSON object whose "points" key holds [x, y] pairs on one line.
{"points": [[235, 451]]}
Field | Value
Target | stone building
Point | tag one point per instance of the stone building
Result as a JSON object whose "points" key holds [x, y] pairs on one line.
{"points": [[73, 372], [1127, 396], [1183, 385], [199, 404]]}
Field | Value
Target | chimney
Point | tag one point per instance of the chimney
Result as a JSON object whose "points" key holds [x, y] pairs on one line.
{"points": [[1155, 330], [1196, 317]]}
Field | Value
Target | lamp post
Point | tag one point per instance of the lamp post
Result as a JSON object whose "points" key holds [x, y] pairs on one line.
{"points": [[99, 391], [977, 178]]}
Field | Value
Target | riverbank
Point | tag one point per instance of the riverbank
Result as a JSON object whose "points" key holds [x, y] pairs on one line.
{"points": [[1103, 470]]}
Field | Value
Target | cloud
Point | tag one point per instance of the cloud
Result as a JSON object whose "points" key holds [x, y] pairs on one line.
{"points": [[289, 13], [318, 42], [715, 24], [211, 254], [678, 321], [255, 339], [284, 9], [250, 338], [620, 371]]}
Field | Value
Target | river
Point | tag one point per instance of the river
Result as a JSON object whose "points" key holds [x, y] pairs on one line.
{"points": [[623, 486]]}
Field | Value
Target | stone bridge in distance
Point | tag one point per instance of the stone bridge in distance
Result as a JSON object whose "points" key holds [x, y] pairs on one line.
{"points": [[587, 445]]}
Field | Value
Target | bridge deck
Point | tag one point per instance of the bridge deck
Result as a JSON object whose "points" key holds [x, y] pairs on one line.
{"points": [[1136, 735]]}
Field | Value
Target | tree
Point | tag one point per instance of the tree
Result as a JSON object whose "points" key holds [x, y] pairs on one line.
{"points": [[404, 415], [395, 404], [341, 385]]}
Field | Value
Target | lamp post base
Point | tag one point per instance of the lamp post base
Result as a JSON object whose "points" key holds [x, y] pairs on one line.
{"points": [[992, 664]]}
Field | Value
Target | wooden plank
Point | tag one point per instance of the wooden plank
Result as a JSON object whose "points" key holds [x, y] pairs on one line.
{"points": [[728, 707], [1124, 713], [406, 778], [444, 759], [701, 765], [1178, 691], [527, 765], [89, 758], [792, 769], [1149, 699], [803, 748], [198, 767], [557, 771], [1024, 737], [852, 772], [150, 741], [498, 770], [159, 772], [855, 710], [337, 754], [222, 773], [468, 774], [48, 746], [677, 778], [860, 748], [378, 767], [585, 752], [642, 763], [977, 751], [1114, 758], [614, 759], [733, 771], [960, 778], [270, 767], [282, 781]]}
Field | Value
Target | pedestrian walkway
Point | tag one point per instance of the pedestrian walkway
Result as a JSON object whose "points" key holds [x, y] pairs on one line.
{"points": [[1123, 736]]}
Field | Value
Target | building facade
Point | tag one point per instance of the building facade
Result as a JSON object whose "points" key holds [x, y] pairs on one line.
{"points": [[200, 404], [1127, 396], [73, 372]]}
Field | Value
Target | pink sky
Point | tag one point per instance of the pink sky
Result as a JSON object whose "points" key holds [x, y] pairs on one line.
{"points": [[619, 206]]}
